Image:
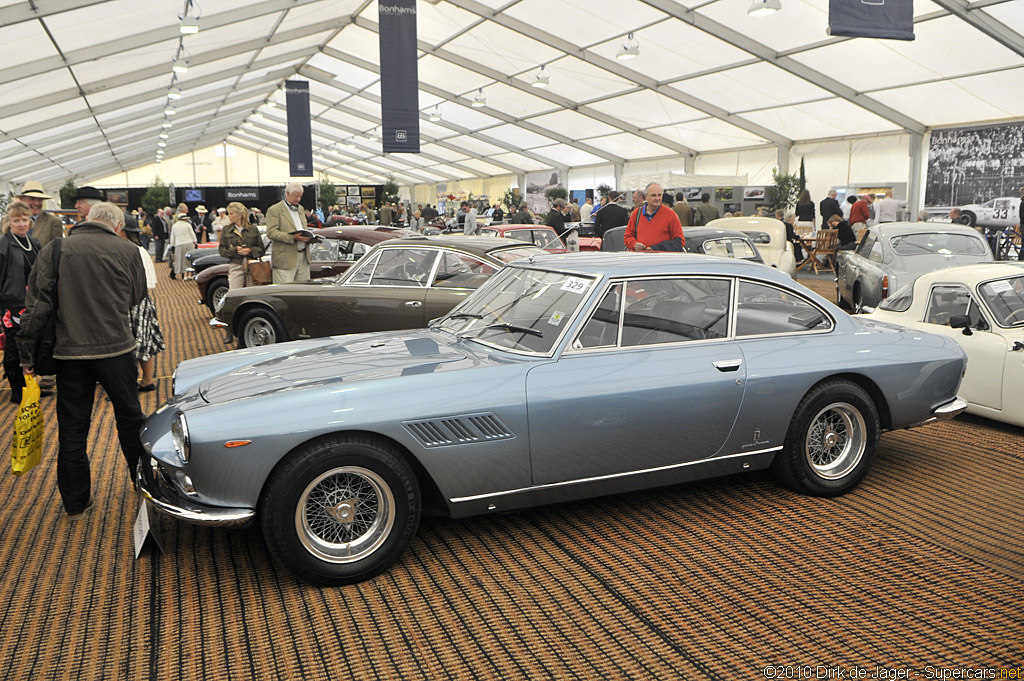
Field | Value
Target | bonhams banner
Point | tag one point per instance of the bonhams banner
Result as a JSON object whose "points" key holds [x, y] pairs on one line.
{"points": [[300, 138], [399, 76], [892, 19]]}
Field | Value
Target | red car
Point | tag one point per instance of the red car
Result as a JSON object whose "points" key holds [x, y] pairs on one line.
{"points": [[341, 246], [539, 235]]}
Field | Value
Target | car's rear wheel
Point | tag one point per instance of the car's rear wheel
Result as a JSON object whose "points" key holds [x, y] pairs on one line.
{"points": [[831, 440], [968, 218], [260, 327], [341, 509], [858, 299], [216, 289]]}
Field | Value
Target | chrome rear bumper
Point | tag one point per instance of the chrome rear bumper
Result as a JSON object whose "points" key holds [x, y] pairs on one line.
{"points": [[945, 412]]}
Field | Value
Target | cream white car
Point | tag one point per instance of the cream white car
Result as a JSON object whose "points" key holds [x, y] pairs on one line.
{"points": [[981, 307], [770, 236]]}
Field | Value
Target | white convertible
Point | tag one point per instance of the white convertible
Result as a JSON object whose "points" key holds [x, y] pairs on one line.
{"points": [[981, 307], [770, 237]]}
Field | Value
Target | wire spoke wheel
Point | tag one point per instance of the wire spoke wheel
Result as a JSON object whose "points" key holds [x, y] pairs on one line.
{"points": [[345, 514], [836, 440]]}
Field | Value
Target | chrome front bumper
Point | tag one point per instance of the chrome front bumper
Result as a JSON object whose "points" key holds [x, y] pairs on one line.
{"points": [[945, 412], [163, 495]]}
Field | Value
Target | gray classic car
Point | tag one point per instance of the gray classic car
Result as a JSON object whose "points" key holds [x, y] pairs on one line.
{"points": [[562, 377], [894, 254], [399, 284]]}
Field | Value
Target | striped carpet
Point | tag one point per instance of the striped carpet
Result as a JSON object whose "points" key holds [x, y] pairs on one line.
{"points": [[922, 565]]}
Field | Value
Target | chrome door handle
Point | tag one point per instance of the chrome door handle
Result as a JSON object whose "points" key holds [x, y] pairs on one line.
{"points": [[413, 303], [728, 364]]}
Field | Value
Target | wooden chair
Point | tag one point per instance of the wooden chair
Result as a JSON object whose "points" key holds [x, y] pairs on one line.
{"points": [[828, 239]]}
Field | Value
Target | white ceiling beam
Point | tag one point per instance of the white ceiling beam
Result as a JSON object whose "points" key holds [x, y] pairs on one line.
{"points": [[129, 41], [792, 66], [616, 68], [984, 22], [40, 9]]}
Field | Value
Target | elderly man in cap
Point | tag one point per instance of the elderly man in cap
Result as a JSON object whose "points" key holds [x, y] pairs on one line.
{"points": [[204, 224], [45, 227], [85, 199]]}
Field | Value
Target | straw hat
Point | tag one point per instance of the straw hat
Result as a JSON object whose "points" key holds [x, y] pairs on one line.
{"points": [[201, 209], [34, 190]]}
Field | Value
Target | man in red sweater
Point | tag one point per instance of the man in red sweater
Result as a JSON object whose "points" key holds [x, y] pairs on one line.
{"points": [[860, 211], [654, 227]]}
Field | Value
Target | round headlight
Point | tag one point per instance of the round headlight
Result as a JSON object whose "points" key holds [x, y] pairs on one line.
{"points": [[179, 435]]}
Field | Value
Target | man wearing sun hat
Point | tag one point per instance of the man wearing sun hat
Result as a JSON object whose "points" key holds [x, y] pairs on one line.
{"points": [[45, 227], [204, 226]]}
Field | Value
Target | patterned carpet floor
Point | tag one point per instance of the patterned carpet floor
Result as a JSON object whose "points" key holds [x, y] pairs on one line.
{"points": [[921, 567]]}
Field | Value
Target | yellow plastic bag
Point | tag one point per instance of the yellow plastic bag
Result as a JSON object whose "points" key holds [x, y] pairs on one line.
{"points": [[27, 444]]}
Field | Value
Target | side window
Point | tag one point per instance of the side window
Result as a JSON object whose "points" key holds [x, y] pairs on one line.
{"points": [[458, 270], [876, 252], [765, 310], [350, 251], [864, 249], [545, 238], [602, 330], [674, 310], [947, 301], [403, 267], [364, 271], [519, 235], [489, 232], [324, 251]]}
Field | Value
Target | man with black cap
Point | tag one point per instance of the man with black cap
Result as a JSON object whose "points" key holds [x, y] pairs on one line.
{"points": [[85, 199], [45, 227]]}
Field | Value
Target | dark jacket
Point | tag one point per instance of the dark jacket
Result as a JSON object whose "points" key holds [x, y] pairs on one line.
{"points": [[231, 238], [522, 217], [556, 220], [12, 271], [805, 212], [829, 207], [159, 227], [611, 215], [101, 280]]}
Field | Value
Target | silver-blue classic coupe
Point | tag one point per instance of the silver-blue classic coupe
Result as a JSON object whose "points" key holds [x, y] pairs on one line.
{"points": [[562, 377]]}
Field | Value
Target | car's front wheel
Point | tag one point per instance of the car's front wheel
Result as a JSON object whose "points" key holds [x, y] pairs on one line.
{"points": [[340, 510], [216, 289], [831, 440], [259, 327], [968, 218]]}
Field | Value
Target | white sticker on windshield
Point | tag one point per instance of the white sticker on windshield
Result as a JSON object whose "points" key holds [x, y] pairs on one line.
{"points": [[556, 318], [574, 285], [1000, 286]]}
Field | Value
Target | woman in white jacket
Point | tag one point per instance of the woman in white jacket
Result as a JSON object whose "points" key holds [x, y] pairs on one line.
{"points": [[182, 240]]}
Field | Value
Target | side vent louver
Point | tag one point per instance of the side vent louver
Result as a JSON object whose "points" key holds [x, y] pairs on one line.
{"points": [[458, 430]]}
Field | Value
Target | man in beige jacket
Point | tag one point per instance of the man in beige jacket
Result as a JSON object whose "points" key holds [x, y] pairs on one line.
{"points": [[45, 227], [289, 256]]}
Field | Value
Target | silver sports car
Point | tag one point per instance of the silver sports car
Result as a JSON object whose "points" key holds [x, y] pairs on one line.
{"points": [[562, 377]]}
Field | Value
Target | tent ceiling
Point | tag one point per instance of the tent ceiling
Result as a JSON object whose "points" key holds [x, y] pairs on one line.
{"points": [[80, 97]]}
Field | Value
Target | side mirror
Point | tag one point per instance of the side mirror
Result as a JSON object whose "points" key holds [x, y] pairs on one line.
{"points": [[961, 321]]}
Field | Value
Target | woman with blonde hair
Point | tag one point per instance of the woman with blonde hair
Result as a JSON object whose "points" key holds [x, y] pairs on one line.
{"points": [[240, 242], [18, 252]]}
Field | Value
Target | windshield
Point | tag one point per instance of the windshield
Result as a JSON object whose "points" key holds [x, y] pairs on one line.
{"points": [[1005, 298], [520, 309], [937, 243], [729, 247]]}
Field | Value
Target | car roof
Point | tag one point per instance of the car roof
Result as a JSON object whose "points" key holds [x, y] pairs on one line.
{"points": [[371, 233], [477, 245], [705, 233], [898, 228], [753, 223], [626, 264], [975, 273]]}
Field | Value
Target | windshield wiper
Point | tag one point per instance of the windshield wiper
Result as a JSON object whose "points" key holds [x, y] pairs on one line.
{"points": [[465, 315], [514, 328]]}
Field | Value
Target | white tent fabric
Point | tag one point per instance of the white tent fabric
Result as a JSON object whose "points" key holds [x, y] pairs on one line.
{"points": [[85, 84]]}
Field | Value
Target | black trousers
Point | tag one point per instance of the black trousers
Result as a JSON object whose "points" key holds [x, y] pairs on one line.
{"points": [[159, 245], [12, 362], [76, 388]]}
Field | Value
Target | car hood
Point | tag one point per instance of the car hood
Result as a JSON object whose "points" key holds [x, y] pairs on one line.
{"points": [[327, 361]]}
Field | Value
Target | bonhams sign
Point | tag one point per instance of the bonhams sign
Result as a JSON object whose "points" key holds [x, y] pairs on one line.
{"points": [[399, 76], [893, 19], [242, 194], [300, 136]]}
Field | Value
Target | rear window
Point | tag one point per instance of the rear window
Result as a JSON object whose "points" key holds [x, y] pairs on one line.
{"points": [[507, 255], [937, 243]]}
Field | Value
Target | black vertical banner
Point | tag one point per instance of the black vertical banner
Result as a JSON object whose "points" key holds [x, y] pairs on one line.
{"points": [[892, 19], [399, 76], [300, 138]]}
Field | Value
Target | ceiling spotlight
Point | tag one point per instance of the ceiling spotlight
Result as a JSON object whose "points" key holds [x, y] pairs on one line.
{"points": [[164, 135], [543, 77], [435, 115], [762, 8], [257, 116], [179, 66], [189, 25], [161, 144], [166, 124], [272, 104], [480, 100], [174, 93], [169, 111], [629, 49], [372, 135]]}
